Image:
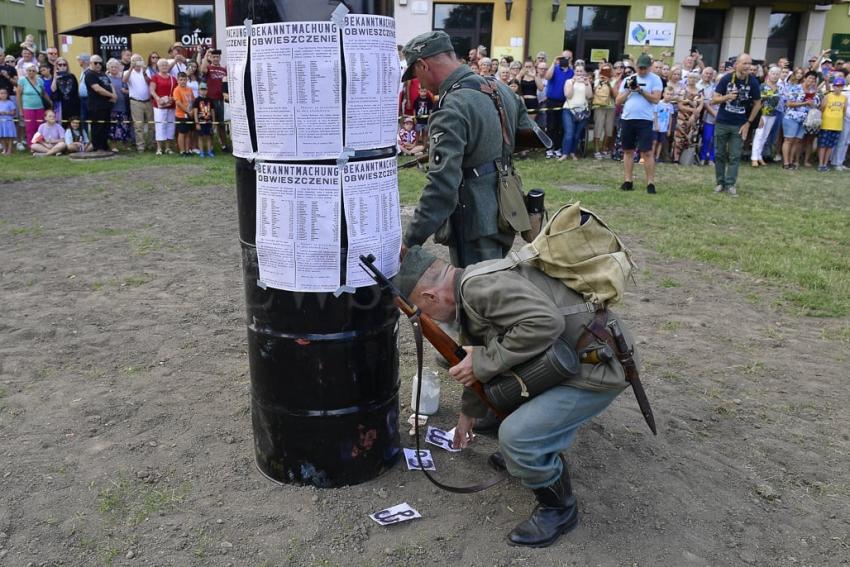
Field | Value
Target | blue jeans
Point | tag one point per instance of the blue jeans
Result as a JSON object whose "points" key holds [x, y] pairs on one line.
{"points": [[706, 150], [532, 437], [573, 131]]}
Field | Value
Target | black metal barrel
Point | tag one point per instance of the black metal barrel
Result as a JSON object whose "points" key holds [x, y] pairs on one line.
{"points": [[324, 369]]}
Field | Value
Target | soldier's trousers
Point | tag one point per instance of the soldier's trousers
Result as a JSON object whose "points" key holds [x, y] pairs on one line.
{"points": [[486, 248]]}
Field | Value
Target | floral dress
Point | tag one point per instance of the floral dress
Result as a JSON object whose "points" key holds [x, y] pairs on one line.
{"points": [[686, 132]]}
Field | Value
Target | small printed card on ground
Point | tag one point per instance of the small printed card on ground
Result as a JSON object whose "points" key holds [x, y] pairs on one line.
{"points": [[440, 438], [413, 460], [398, 513]]}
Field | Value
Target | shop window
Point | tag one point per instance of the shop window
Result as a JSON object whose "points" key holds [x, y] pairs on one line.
{"points": [[708, 35], [782, 38], [589, 28], [110, 44], [18, 35], [42, 40], [469, 25], [195, 23]]}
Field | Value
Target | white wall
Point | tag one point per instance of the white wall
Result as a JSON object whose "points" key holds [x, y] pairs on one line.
{"points": [[810, 36], [409, 25], [761, 30], [734, 32], [684, 32]]}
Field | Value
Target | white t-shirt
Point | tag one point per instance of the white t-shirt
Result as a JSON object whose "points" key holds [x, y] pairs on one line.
{"points": [[178, 68], [138, 86]]}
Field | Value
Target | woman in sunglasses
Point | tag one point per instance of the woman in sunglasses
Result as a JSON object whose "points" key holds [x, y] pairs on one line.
{"points": [[65, 90]]}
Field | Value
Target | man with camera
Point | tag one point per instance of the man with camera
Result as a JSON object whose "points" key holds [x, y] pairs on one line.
{"points": [[639, 95], [739, 95], [512, 316], [558, 74]]}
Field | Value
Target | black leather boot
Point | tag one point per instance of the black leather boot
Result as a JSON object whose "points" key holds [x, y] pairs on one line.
{"points": [[556, 513]]}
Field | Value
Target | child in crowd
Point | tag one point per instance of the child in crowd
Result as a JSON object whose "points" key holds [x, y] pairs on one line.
{"points": [[50, 137], [423, 106], [833, 107], [204, 116], [8, 132], [407, 139], [183, 96], [662, 122], [76, 138]]}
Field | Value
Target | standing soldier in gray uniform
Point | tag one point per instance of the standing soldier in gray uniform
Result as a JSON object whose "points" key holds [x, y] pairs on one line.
{"points": [[471, 138]]}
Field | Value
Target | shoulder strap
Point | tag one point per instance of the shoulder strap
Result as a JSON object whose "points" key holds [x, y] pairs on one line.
{"points": [[489, 88]]}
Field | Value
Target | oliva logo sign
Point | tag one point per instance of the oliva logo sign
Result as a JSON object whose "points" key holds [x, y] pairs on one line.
{"points": [[196, 38], [114, 40]]}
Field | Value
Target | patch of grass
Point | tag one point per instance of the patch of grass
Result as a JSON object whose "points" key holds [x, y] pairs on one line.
{"points": [[33, 231], [144, 244], [841, 335], [671, 326], [131, 502], [2, 393], [669, 283], [787, 229]]}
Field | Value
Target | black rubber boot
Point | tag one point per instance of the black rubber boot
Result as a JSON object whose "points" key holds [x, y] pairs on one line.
{"points": [[497, 461], [556, 513]]}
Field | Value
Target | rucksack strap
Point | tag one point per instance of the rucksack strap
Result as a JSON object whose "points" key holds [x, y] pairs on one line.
{"points": [[489, 88]]}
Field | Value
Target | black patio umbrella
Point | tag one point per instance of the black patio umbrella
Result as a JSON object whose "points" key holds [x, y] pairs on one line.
{"points": [[123, 25]]}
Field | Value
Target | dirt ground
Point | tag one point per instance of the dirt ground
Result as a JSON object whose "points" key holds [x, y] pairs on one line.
{"points": [[125, 429]]}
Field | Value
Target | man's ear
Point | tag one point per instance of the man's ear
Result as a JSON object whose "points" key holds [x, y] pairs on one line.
{"points": [[429, 295]]}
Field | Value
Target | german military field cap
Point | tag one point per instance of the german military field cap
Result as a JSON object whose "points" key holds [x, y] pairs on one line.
{"points": [[425, 45], [415, 263]]}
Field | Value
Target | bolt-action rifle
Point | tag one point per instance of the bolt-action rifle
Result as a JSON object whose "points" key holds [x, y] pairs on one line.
{"points": [[444, 344]]}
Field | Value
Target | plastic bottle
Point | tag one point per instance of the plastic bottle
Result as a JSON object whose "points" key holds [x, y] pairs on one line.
{"points": [[429, 401]]}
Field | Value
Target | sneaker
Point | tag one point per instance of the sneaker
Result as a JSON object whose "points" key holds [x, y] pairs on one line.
{"points": [[225, 149], [196, 151], [169, 151], [159, 152], [839, 168], [550, 154], [732, 191], [597, 155], [202, 155], [558, 153], [650, 188], [719, 188], [627, 186], [823, 168], [210, 154]]}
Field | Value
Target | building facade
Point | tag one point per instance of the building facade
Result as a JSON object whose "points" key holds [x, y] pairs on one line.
{"points": [[19, 18], [596, 29], [199, 23]]}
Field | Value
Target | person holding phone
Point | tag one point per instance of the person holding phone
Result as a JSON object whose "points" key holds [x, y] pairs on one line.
{"points": [[559, 72], [141, 110], [215, 75]]}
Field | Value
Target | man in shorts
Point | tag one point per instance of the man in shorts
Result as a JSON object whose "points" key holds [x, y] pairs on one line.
{"points": [[639, 95]]}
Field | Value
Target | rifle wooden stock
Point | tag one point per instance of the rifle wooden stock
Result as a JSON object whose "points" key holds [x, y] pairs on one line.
{"points": [[446, 346]]}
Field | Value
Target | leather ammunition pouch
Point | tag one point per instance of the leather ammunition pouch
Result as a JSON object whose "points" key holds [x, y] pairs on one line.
{"points": [[554, 366]]}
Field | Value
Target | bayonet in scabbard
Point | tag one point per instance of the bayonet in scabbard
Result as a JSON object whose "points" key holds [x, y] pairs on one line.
{"points": [[626, 357]]}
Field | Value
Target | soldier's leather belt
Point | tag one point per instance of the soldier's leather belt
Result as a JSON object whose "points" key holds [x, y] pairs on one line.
{"points": [[481, 170]]}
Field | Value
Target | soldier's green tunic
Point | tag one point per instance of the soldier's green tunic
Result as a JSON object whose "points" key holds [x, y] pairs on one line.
{"points": [[465, 133], [514, 315]]}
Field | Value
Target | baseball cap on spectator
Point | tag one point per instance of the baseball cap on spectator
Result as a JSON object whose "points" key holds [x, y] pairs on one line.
{"points": [[202, 87], [408, 119], [644, 61], [84, 57], [827, 60], [175, 45], [839, 80], [423, 46]]}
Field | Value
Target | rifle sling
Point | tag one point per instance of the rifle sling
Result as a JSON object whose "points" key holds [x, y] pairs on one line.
{"points": [[417, 336]]}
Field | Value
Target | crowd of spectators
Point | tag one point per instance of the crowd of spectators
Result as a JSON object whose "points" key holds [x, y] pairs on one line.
{"points": [[120, 104], [801, 122]]}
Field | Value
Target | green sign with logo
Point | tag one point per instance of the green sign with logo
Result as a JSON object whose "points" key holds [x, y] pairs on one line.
{"points": [[840, 46]]}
